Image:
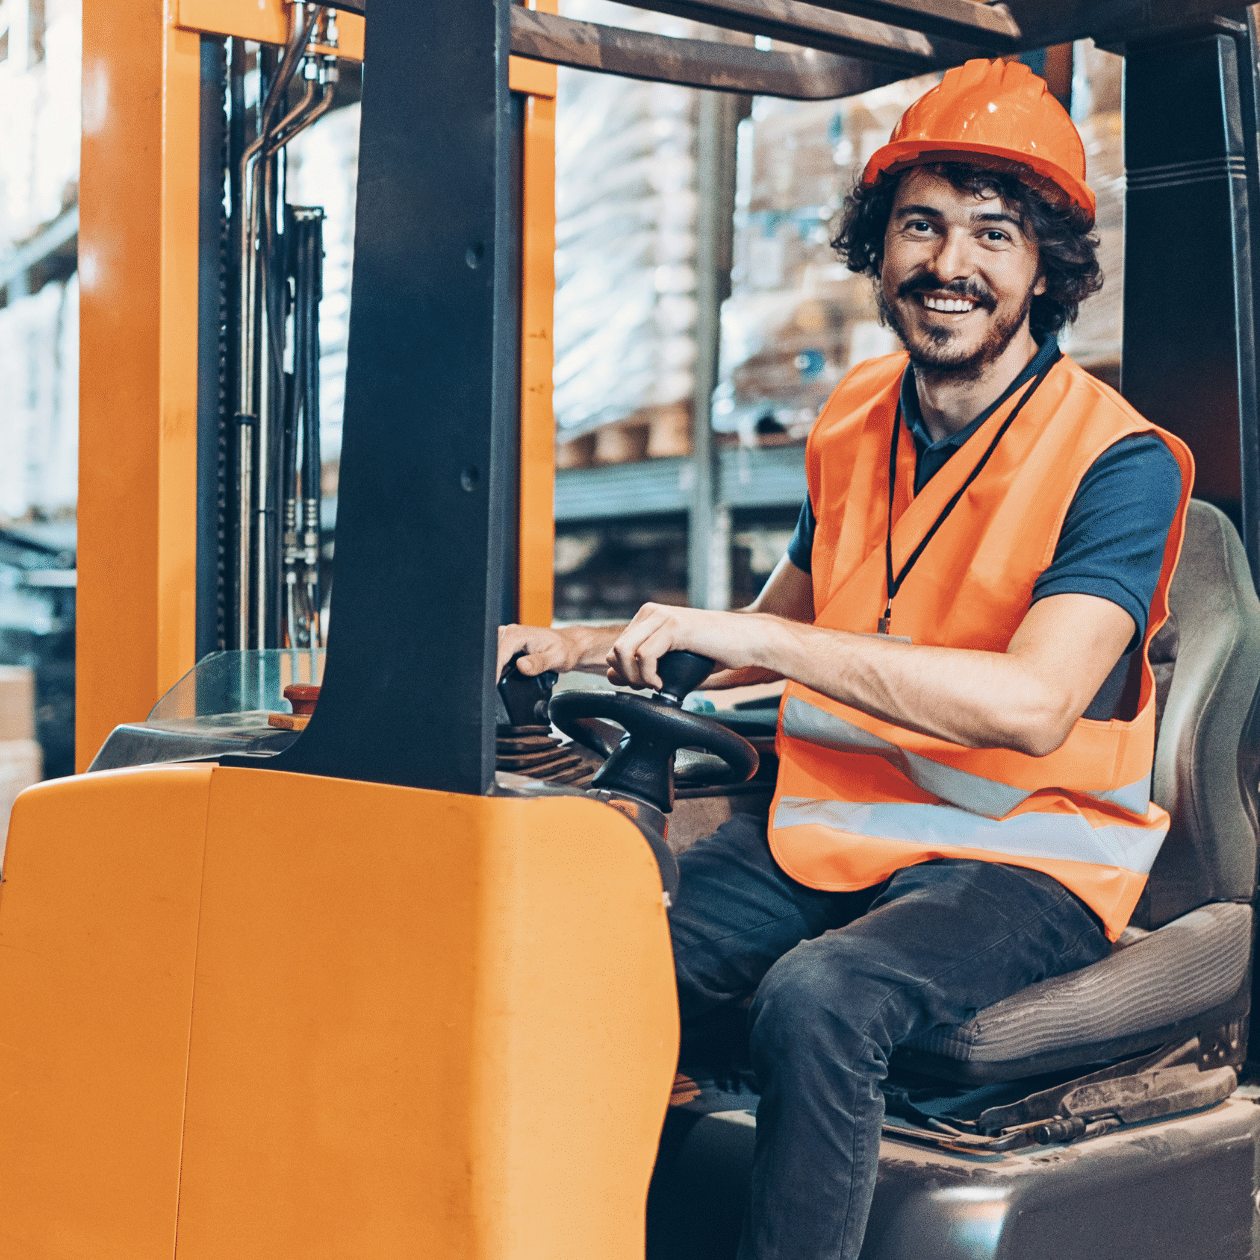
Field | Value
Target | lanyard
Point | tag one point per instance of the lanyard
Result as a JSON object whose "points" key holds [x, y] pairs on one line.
{"points": [[894, 583]]}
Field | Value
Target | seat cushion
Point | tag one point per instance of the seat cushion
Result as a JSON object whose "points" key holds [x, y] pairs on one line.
{"points": [[1185, 968]]}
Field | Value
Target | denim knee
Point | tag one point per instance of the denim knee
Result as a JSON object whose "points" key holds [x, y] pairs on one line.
{"points": [[801, 1000]]}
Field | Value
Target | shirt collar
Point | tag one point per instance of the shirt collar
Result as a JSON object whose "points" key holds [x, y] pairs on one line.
{"points": [[913, 415]]}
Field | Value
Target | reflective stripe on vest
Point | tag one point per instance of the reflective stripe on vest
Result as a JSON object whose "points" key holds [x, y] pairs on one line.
{"points": [[1058, 836], [971, 792]]}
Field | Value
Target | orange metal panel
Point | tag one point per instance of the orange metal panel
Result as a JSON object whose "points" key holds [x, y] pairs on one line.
{"points": [[535, 77], [267, 21], [535, 580], [425, 1024], [386, 1022], [98, 927], [138, 363]]}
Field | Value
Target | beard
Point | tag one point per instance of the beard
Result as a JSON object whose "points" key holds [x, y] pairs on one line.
{"points": [[934, 356]]}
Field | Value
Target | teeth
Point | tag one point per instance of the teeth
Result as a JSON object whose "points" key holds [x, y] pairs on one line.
{"points": [[948, 304]]}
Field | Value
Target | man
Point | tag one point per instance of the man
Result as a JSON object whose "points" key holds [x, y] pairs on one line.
{"points": [[967, 730]]}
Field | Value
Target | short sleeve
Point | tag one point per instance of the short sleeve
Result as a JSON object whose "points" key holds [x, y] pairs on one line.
{"points": [[1113, 536], [801, 547]]}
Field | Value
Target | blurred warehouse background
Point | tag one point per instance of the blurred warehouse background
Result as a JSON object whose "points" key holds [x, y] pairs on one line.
{"points": [[701, 319]]}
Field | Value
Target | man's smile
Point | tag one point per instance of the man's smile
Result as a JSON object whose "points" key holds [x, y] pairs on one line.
{"points": [[946, 305]]}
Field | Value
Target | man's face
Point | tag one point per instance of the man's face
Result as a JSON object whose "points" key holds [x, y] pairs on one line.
{"points": [[958, 275]]}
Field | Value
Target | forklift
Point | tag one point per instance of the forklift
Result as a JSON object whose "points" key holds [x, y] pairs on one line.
{"points": [[342, 986]]}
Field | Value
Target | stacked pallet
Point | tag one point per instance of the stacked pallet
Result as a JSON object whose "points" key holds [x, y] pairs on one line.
{"points": [[39, 174], [1094, 340], [40, 106], [625, 307], [797, 319]]}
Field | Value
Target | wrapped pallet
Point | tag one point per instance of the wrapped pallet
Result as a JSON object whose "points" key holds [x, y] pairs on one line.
{"points": [[39, 103], [625, 306], [323, 165], [39, 403], [1094, 340], [797, 318]]}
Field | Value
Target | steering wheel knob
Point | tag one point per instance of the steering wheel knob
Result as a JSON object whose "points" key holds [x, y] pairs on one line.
{"points": [[681, 673]]}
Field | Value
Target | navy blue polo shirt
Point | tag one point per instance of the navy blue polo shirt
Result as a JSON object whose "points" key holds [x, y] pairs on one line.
{"points": [[1112, 541]]}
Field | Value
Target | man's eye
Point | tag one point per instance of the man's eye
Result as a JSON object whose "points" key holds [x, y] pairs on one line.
{"points": [[994, 235]]}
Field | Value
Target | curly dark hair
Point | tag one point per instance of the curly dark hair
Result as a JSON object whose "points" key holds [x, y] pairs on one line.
{"points": [[1068, 255]]}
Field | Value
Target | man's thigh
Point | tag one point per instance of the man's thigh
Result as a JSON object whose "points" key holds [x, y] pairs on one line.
{"points": [[941, 941], [737, 913]]}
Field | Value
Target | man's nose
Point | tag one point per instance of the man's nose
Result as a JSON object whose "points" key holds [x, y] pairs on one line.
{"points": [[951, 260]]}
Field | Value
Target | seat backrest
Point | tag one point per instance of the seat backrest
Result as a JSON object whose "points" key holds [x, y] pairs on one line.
{"points": [[1207, 750]]}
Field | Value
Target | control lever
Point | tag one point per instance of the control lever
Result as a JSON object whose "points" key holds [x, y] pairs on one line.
{"points": [[681, 673], [526, 696]]}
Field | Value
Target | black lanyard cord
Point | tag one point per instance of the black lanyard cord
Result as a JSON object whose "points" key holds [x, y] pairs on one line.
{"points": [[894, 583]]}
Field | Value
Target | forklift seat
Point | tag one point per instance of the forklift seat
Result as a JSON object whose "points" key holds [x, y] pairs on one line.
{"points": [[1182, 968]]}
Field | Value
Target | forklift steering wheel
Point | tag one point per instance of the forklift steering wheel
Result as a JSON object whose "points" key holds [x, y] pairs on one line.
{"points": [[643, 765]]}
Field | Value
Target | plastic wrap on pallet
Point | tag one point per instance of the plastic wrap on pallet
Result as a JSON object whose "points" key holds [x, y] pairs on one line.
{"points": [[797, 318], [1094, 340], [40, 106], [625, 306], [39, 403], [323, 167]]}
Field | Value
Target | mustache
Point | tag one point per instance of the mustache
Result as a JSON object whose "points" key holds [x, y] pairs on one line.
{"points": [[923, 283]]}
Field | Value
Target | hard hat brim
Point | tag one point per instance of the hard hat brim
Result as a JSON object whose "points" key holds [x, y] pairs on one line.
{"points": [[1046, 177]]}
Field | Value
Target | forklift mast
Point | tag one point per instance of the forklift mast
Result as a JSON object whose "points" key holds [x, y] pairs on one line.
{"points": [[158, 316]]}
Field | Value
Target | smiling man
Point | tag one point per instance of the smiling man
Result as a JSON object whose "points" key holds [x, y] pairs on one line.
{"points": [[963, 617]]}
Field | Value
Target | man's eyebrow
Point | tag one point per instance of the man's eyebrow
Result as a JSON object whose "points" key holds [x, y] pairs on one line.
{"points": [[996, 216], [932, 212]]}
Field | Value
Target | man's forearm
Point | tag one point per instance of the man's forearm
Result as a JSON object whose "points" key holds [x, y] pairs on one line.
{"points": [[591, 645], [978, 699]]}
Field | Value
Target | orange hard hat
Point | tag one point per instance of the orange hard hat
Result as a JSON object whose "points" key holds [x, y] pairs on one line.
{"points": [[997, 114]]}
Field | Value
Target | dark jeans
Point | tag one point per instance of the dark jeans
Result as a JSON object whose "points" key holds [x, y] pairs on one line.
{"points": [[838, 980]]}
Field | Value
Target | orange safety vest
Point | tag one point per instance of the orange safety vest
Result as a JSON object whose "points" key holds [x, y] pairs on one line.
{"points": [[859, 798]]}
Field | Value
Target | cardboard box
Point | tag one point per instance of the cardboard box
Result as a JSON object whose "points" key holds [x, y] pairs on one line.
{"points": [[21, 765], [17, 703]]}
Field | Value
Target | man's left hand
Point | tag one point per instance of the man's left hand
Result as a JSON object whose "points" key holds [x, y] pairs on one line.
{"points": [[731, 639]]}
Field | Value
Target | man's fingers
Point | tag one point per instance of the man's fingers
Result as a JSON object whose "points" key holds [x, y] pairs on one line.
{"points": [[624, 655], [535, 663], [542, 649], [660, 641], [635, 654]]}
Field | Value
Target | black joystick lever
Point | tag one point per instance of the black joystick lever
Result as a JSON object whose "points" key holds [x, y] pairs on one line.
{"points": [[681, 673], [525, 696]]}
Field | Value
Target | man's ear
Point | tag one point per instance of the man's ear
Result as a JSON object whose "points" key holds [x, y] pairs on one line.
{"points": [[1040, 287]]}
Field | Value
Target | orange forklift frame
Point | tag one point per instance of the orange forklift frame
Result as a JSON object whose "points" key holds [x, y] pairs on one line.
{"points": [[138, 260]]}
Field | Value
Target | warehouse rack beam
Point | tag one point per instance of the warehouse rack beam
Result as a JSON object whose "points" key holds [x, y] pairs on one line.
{"points": [[747, 477], [850, 28], [840, 50], [853, 49]]}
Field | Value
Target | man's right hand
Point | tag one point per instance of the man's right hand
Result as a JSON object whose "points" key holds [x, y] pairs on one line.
{"points": [[573, 647]]}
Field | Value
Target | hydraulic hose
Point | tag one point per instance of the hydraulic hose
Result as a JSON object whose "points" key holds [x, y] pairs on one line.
{"points": [[248, 409]]}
